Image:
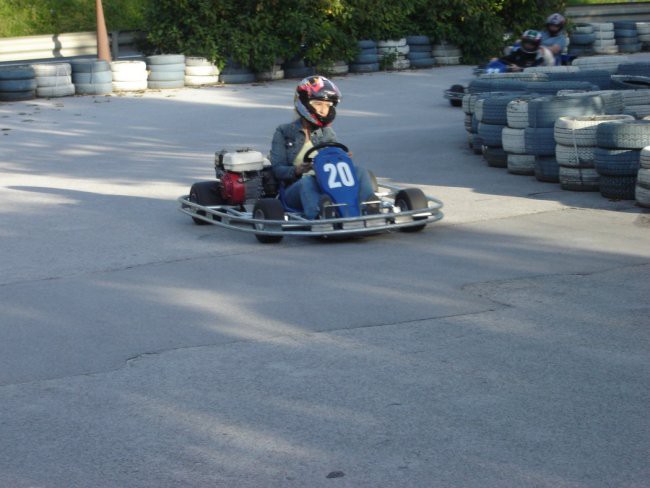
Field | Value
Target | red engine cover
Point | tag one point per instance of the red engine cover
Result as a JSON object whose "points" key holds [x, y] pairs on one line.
{"points": [[233, 189]]}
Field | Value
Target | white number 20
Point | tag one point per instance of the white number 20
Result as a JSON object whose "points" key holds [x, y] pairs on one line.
{"points": [[339, 174]]}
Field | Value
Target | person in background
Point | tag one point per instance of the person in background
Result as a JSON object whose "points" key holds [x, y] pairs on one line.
{"points": [[554, 37], [528, 53]]}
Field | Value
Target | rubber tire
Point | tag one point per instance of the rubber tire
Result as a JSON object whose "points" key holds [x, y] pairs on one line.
{"points": [[618, 187], [495, 157], [539, 141], [52, 69], [89, 66], [423, 63], [364, 68], [20, 96], [491, 134], [129, 86], [268, 209], [418, 40], [410, 199], [166, 85], [45, 81], [162, 68], [574, 156], [207, 194], [581, 131], [365, 44], [513, 140], [642, 196], [201, 80], [18, 85], [237, 79], [209, 70], [93, 89], [128, 66], [521, 164], [579, 179], [23, 72], [547, 169], [197, 61], [55, 91], [366, 58], [96, 78], [617, 162], [166, 76], [162, 59], [543, 112], [632, 134]]}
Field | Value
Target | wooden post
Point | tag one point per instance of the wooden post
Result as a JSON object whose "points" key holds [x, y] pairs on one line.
{"points": [[103, 51]]}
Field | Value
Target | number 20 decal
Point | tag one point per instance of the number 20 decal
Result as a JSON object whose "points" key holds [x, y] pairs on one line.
{"points": [[339, 174]]}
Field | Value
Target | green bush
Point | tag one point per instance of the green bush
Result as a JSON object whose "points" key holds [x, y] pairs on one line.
{"points": [[256, 33], [34, 17]]}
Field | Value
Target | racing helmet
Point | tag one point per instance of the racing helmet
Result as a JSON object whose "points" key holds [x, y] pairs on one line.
{"points": [[316, 88], [556, 19], [530, 41]]}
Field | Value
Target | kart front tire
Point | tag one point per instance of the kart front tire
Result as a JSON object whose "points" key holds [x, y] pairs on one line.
{"points": [[268, 209], [410, 199], [206, 194]]}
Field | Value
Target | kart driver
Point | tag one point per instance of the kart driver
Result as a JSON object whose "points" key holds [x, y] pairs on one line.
{"points": [[315, 103], [528, 53], [554, 37]]}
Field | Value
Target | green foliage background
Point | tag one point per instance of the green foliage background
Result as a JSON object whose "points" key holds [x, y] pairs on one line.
{"points": [[256, 33]]}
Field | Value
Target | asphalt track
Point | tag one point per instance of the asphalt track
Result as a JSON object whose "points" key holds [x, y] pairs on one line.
{"points": [[505, 346]]}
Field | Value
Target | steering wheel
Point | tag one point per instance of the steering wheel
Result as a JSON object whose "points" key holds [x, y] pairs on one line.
{"points": [[308, 159]]}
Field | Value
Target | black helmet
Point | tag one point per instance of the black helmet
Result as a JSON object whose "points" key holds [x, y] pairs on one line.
{"points": [[316, 88], [556, 19], [530, 41]]}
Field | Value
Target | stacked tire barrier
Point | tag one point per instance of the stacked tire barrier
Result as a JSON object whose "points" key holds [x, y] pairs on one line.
{"points": [[166, 71], [200, 72], [582, 40], [236, 74], [599, 77], [575, 139], [337, 68], [367, 61], [514, 139], [471, 123], [129, 76], [642, 190], [636, 102], [17, 83], [540, 136], [617, 156], [446, 54], [54, 80], [604, 41], [420, 55], [604, 62], [627, 37], [93, 77], [393, 54], [293, 68], [643, 28]]}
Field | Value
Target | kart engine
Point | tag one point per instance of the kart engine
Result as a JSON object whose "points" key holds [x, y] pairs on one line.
{"points": [[245, 176]]}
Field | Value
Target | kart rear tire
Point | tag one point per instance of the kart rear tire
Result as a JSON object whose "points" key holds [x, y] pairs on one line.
{"points": [[410, 199], [268, 209], [205, 193]]}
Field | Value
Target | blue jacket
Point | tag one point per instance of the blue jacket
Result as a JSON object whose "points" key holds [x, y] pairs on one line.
{"points": [[287, 142]]}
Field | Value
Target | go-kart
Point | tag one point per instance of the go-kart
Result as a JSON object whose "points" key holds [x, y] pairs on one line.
{"points": [[246, 197]]}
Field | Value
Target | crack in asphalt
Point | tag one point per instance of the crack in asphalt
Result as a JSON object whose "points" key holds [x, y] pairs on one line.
{"points": [[464, 288]]}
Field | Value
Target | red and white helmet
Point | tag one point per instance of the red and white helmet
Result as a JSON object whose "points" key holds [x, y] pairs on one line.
{"points": [[316, 88]]}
